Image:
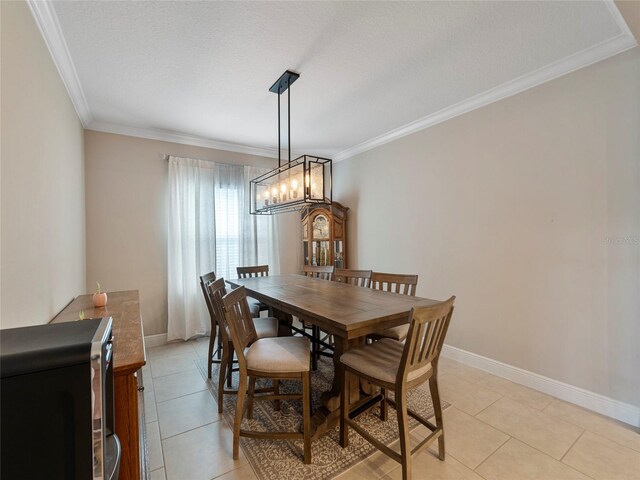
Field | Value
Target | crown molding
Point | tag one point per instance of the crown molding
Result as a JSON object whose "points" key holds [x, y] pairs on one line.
{"points": [[612, 46], [173, 137], [47, 21]]}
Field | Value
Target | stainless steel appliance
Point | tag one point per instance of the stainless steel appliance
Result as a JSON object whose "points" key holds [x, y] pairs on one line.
{"points": [[56, 398]]}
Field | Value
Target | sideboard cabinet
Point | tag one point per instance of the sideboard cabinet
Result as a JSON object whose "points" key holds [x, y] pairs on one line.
{"points": [[128, 359]]}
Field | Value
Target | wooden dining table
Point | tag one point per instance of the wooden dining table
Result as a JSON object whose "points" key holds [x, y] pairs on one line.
{"points": [[347, 312]]}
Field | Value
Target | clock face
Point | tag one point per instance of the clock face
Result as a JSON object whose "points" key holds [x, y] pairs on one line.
{"points": [[321, 227]]}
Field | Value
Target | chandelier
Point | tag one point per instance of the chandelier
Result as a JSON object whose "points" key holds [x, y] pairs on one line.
{"points": [[297, 183]]}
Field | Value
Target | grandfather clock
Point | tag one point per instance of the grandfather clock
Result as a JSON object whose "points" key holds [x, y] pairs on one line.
{"points": [[324, 235]]}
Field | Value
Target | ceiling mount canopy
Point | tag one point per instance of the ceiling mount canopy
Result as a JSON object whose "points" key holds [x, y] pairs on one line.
{"points": [[297, 183]]}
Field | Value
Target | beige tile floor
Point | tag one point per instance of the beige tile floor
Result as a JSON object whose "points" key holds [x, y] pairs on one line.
{"points": [[494, 429]]}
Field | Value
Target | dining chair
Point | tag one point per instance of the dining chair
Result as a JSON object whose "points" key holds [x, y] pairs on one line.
{"points": [[255, 271], [396, 283], [265, 327], [359, 278], [205, 281], [398, 367], [273, 358], [321, 345], [324, 272]]}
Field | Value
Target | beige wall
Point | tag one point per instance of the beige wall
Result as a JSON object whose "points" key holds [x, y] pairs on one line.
{"points": [[529, 211], [127, 210], [42, 179]]}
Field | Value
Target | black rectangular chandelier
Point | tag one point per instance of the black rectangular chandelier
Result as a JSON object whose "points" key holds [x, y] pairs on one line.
{"points": [[297, 183]]}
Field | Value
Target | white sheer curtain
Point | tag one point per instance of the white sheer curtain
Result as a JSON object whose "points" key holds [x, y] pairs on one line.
{"points": [[210, 229]]}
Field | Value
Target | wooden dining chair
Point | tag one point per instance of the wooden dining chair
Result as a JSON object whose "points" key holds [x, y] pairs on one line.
{"points": [[396, 283], [321, 344], [265, 327], [400, 367], [359, 278], [324, 272], [254, 271], [205, 281], [272, 358]]}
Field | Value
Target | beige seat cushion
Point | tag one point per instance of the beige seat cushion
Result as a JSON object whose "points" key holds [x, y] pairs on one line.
{"points": [[396, 333], [380, 360], [266, 327], [254, 308], [279, 355]]}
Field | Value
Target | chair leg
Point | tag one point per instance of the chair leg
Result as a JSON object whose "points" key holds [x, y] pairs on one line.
{"points": [[212, 342], [230, 377], [403, 427], [224, 366], [276, 391], [306, 415], [384, 410], [252, 391], [242, 392], [437, 409], [344, 410]]}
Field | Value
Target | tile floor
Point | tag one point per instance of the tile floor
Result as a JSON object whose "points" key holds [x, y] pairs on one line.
{"points": [[494, 429]]}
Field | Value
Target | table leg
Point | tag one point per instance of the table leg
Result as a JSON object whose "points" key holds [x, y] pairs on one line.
{"points": [[328, 415], [285, 322]]}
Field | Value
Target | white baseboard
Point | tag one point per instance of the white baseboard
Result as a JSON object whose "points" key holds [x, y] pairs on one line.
{"points": [[155, 340], [593, 401]]}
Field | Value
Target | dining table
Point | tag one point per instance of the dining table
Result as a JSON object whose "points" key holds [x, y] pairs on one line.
{"points": [[347, 312]]}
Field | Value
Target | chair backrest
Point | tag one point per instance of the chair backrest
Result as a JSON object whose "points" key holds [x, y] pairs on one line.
{"points": [[427, 328], [217, 290], [323, 272], [240, 322], [394, 282], [359, 278], [205, 281], [254, 271]]}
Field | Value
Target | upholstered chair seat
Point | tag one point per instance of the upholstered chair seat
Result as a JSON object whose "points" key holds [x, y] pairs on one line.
{"points": [[381, 361], [254, 307], [266, 327], [398, 333], [282, 354]]}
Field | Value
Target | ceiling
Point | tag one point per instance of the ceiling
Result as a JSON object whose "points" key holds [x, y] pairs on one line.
{"points": [[199, 72]]}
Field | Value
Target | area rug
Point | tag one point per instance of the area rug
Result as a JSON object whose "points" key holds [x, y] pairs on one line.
{"points": [[282, 459]]}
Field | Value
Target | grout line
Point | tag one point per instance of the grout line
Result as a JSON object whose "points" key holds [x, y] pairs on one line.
{"points": [[526, 443], [576, 441], [571, 466], [531, 446], [598, 416], [495, 401], [186, 431], [509, 437], [181, 396], [173, 373]]}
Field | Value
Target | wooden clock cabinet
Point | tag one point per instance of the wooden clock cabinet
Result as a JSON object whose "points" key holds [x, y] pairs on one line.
{"points": [[324, 235]]}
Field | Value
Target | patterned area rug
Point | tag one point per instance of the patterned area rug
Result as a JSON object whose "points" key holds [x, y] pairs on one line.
{"points": [[282, 459]]}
